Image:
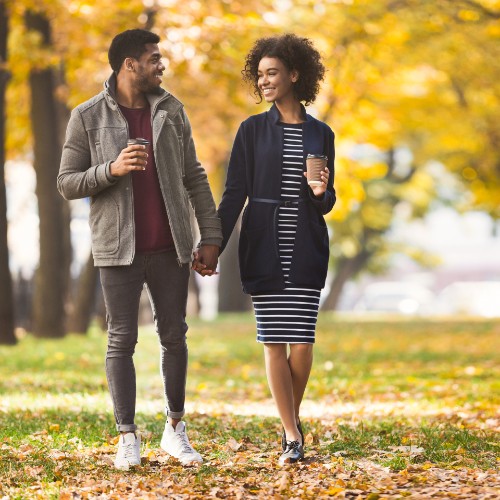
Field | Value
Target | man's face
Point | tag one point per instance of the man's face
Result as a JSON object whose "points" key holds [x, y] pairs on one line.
{"points": [[149, 70]]}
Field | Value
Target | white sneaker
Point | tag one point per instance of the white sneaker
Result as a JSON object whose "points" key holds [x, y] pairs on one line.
{"points": [[176, 443], [129, 451]]}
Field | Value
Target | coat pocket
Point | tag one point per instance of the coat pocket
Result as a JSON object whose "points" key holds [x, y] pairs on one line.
{"points": [[105, 225], [311, 253], [98, 149], [257, 253], [319, 234]]}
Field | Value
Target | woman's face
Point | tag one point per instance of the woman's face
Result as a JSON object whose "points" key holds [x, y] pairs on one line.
{"points": [[275, 81]]}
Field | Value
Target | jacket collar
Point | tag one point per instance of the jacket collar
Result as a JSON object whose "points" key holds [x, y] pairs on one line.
{"points": [[110, 95], [274, 114]]}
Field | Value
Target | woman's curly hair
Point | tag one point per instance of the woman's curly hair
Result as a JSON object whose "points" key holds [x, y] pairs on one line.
{"points": [[295, 53]]}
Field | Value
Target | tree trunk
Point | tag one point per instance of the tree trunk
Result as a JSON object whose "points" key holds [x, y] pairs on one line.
{"points": [[63, 115], [231, 296], [6, 299], [52, 274], [346, 269], [23, 299], [83, 305]]}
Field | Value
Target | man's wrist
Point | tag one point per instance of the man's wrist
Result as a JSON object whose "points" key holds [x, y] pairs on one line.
{"points": [[109, 173], [214, 242]]}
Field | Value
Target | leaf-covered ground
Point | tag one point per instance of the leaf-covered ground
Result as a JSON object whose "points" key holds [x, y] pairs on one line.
{"points": [[394, 409]]}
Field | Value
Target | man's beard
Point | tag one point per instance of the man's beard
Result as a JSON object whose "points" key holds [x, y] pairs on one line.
{"points": [[144, 85]]}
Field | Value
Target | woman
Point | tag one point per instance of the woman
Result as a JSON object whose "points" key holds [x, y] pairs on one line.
{"points": [[283, 249]]}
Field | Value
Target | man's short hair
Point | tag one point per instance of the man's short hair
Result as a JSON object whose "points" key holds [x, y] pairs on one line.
{"points": [[130, 43]]}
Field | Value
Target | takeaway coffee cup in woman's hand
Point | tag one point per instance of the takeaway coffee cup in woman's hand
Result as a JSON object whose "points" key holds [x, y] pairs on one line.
{"points": [[315, 164]]}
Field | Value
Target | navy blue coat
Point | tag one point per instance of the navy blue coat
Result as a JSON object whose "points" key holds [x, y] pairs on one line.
{"points": [[254, 172]]}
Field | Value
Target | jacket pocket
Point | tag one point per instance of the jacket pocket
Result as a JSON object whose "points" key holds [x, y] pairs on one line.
{"points": [[106, 143], [257, 253], [100, 156], [173, 142], [105, 225], [311, 254], [187, 214], [319, 234]]}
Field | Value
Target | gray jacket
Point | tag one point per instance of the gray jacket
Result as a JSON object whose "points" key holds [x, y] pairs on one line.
{"points": [[97, 132]]}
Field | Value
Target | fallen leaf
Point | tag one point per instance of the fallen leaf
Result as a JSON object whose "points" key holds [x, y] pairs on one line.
{"points": [[309, 439], [233, 444], [57, 455], [335, 490], [283, 482]]}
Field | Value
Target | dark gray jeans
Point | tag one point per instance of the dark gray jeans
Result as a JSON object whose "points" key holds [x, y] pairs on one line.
{"points": [[167, 285]]}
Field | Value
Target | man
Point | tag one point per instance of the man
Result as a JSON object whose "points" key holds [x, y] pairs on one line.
{"points": [[140, 224]]}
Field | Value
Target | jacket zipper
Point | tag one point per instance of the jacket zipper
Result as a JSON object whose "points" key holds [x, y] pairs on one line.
{"points": [[174, 237], [130, 187], [131, 193]]}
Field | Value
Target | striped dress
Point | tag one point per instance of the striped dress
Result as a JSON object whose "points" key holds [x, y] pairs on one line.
{"points": [[289, 315]]}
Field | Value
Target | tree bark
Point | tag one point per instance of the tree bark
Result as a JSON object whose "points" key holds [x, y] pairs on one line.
{"points": [[7, 335], [23, 299], [346, 269], [231, 296], [83, 305], [51, 280]]}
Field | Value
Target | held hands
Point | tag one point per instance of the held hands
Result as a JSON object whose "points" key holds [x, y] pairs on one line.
{"points": [[205, 260], [131, 158], [319, 191]]}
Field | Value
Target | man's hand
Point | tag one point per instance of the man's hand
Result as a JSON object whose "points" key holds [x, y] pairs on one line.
{"points": [[131, 158], [205, 260]]}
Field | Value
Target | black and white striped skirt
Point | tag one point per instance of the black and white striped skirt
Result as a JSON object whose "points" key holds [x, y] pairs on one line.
{"points": [[287, 316]]}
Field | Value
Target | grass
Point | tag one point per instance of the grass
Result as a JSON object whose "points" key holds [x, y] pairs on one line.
{"points": [[400, 394]]}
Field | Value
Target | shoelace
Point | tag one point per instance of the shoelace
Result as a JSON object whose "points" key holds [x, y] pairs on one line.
{"points": [[291, 445], [129, 450], [186, 445]]}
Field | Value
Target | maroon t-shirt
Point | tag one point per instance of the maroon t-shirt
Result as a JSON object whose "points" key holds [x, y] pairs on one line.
{"points": [[152, 229]]}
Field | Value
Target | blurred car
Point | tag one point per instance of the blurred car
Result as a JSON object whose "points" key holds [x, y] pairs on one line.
{"points": [[397, 298], [472, 298]]}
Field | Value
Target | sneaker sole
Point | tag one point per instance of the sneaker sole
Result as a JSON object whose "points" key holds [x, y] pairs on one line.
{"points": [[194, 462], [190, 463], [288, 461], [126, 467]]}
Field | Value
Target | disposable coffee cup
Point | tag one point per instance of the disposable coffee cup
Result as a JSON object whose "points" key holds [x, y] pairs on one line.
{"points": [[138, 140], [315, 164]]}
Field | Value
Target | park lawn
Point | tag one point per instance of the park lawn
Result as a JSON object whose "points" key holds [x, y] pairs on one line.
{"points": [[394, 408]]}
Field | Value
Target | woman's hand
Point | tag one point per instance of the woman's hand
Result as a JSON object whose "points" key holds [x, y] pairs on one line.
{"points": [[205, 260], [319, 191]]}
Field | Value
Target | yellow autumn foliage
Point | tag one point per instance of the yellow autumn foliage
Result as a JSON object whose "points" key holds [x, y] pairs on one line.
{"points": [[419, 75]]}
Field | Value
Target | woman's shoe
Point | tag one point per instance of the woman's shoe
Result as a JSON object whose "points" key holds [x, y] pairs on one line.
{"points": [[293, 453], [299, 426], [283, 436]]}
